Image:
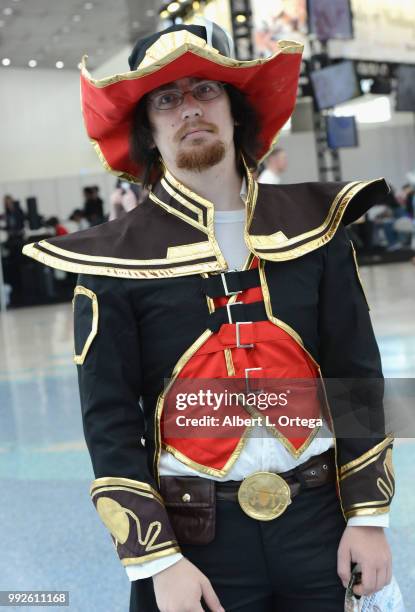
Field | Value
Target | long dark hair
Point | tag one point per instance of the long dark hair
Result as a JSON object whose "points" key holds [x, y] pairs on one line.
{"points": [[246, 136]]}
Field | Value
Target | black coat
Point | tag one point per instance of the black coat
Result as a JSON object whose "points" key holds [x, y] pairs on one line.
{"points": [[140, 304]]}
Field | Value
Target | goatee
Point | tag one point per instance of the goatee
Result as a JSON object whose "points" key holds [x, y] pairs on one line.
{"points": [[199, 158]]}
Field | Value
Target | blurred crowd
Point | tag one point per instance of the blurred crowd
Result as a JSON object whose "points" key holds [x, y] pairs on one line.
{"points": [[18, 227]]}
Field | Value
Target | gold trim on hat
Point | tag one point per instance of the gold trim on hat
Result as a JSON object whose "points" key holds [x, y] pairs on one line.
{"points": [[189, 43]]}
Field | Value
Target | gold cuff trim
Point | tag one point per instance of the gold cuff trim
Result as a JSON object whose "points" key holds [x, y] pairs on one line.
{"points": [[114, 481], [367, 512], [151, 556], [362, 466], [368, 455], [79, 290], [116, 518]]}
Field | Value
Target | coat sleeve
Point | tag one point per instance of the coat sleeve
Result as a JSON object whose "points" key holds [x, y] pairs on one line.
{"points": [[107, 354], [351, 366]]}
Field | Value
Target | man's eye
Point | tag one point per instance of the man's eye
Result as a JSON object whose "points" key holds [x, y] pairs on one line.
{"points": [[167, 98], [204, 88]]}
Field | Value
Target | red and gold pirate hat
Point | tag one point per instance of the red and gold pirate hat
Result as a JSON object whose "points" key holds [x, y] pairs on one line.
{"points": [[182, 51]]}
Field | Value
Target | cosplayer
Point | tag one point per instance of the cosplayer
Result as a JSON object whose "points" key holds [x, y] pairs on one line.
{"points": [[217, 277]]}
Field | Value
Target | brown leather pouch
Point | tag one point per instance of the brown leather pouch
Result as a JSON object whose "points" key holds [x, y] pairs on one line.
{"points": [[191, 505]]}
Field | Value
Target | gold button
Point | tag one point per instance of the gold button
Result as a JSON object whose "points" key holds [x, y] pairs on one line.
{"points": [[186, 497]]}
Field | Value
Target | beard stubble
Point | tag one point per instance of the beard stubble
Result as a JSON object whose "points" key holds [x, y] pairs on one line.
{"points": [[200, 155]]}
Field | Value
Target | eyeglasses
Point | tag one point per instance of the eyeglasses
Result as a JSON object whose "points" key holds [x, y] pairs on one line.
{"points": [[172, 98]]}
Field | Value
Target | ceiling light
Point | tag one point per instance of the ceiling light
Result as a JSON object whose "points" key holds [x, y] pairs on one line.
{"points": [[150, 12], [76, 18], [88, 6], [196, 6], [1, 23], [5, 61], [8, 11], [240, 18], [173, 7], [66, 29], [32, 63], [164, 14], [59, 64], [55, 38], [135, 25]]}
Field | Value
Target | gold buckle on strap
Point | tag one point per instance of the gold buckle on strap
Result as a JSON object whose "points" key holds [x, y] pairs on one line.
{"points": [[264, 496]]}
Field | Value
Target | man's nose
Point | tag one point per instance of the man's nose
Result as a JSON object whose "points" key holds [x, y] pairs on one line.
{"points": [[190, 106]]}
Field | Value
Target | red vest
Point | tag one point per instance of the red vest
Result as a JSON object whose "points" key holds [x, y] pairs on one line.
{"points": [[211, 442]]}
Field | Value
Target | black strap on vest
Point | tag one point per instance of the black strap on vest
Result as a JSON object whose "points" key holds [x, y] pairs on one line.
{"points": [[229, 283], [236, 313]]}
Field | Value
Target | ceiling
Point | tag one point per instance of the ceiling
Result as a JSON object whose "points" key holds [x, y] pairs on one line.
{"points": [[49, 31]]}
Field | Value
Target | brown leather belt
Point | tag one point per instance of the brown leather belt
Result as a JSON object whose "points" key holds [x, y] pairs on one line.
{"points": [[317, 471], [191, 500]]}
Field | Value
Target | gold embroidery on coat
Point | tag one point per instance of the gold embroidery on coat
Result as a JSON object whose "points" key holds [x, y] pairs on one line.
{"points": [[79, 290], [367, 455]]}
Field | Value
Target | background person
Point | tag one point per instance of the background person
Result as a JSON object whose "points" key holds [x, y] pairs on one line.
{"points": [[275, 165]]}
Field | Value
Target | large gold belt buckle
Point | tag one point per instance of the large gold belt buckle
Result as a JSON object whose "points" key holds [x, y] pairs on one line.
{"points": [[264, 496]]}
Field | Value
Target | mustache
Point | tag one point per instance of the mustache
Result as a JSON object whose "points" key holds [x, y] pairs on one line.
{"points": [[190, 127]]}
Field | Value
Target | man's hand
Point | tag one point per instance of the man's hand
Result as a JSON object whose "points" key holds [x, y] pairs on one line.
{"points": [[368, 547], [180, 587]]}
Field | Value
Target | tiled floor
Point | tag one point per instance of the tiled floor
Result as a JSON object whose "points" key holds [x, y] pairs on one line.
{"points": [[50, 536]]}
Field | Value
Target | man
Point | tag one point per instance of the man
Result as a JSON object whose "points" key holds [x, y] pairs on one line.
{"points": [[93, 205], [250, 520], [275, 165]]}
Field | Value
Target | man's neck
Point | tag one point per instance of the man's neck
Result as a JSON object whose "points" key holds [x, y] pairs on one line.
{"points": [[220, 184]]}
